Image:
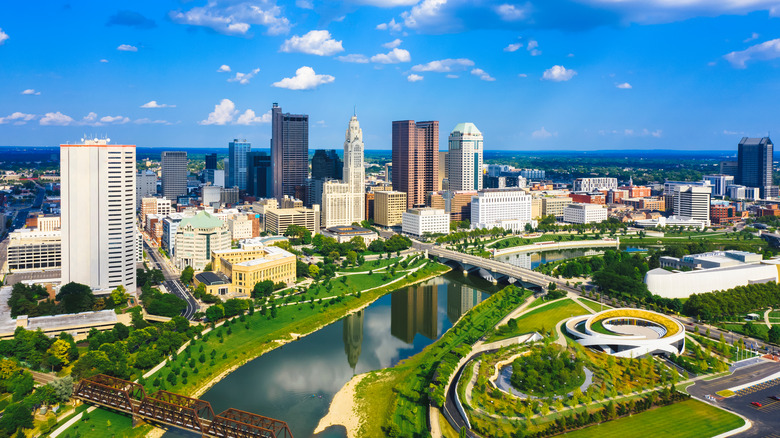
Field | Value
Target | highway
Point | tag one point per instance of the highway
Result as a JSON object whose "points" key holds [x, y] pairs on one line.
{"points": [[172, 282]]}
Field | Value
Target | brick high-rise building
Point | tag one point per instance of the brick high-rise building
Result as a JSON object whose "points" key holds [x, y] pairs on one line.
{"points": [[415, 159], [289, 152]]}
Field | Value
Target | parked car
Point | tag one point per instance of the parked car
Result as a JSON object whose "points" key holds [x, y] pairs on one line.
{"points": [[775, 397], [756, 404]]}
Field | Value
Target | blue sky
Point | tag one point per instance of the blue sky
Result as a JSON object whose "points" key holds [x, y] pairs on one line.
{"points": [[532, 75]]}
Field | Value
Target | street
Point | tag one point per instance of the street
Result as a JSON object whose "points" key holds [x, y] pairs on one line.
{"points": [[172, 282]]}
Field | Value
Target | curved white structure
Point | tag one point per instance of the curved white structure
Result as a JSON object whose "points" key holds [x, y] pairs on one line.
{"points": [[633, 332]]}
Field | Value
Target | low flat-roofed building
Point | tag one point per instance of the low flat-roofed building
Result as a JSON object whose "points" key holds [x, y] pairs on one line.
{"points": [[278, 219], [710, 260], [247, 267], [683, 284], [584, 213], [216, 283], [345, 233], [422, 221], [33, 250]]}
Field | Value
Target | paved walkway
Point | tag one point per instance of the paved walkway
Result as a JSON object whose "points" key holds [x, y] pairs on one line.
{"points": [[766, 317]]}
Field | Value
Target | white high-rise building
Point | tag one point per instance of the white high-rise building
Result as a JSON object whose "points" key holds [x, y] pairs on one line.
{"points": [[591, 184], [509, 209], [98, 220], [344, 202], [464, 160], [693, 202], [145, 185]]}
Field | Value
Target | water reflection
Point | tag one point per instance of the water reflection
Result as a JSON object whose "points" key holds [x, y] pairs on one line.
{"points": [[353, 337], [414, 310], [461, 299], [532, 260]]}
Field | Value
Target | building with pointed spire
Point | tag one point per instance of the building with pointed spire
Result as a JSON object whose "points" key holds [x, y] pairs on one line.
{"points": [[343, 202]]}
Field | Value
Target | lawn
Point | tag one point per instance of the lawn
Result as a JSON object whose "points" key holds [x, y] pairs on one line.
{"points": [[759, 326], [371, 265], [542, 319], [690, 418], [594, 306], [105, 423]]}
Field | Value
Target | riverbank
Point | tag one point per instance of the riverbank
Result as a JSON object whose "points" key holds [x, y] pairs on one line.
{"points": [[553, 246], [342, 410]]}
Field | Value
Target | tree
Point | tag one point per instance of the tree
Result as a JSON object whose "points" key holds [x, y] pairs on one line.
{"points": [[215, 312], [16, 416], [314, 271], [264, 288], [301, 269], [773, 335], [351, 257], [187, 274], [75, 297], [62, 389], [358, 244], [59, 349], [119, 295]]}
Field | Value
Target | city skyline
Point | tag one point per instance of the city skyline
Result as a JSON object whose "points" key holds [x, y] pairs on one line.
{"points": [[649, 70]]}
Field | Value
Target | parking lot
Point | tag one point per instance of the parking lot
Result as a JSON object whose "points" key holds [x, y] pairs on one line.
{"points": [[766, 419]]}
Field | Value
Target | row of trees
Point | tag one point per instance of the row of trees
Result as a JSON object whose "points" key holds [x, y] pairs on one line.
{"points": [[33, 300], [715, 306], [40, 351]]}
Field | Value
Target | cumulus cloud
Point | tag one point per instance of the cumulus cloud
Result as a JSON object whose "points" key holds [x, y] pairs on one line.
{"points": [[624, 86], [392, 26], [148, 121], [393, 57], [104, 60], [304, 79], [445, 65], [55, 119], [759, 52], [315, 42], [513, 47], [235, 17], [543, 133], [223, 113], [753, 36], [249, 118], [509, 12], [154, 104], [31, 92], [532, 48], [558, 73], [414, 78], [482, 74], [3, 36], [223, 68], [127, 48], [304, 4], [244, 78], [392, 44], [17, 118], [357, 58], [120, 120], [131, 19]]}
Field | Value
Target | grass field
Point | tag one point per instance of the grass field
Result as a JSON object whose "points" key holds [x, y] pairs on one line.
{"points": [[760, 327], [594, 306], [542, 319], [105, 423], [688, 419]]}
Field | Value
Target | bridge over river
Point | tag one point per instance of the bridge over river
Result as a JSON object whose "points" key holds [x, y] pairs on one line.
{"points": [[176, 410]]}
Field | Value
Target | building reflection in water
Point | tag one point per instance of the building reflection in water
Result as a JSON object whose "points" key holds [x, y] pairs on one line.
{"points": [[414, 310], [461, 299], [353, 337]]}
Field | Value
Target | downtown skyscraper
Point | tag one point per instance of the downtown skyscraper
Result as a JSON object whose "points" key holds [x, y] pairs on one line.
{"points": [[174, 174], [289, 152], [343, 203], [237, 162], [464, 160], [98, 214], [415, 159], [754, 164]]}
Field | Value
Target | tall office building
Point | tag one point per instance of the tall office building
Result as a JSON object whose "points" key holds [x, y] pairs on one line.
{"points": [[237, 150], [326, 164], [464, 159], [343, 203], [259, 176], [289, 151], [98, 220], [145, 185], [211, 161], [174, 174], [415, 159], [754, 163], [693, 202]]}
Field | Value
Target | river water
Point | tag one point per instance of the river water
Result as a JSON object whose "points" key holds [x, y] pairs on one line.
{"points": [[532, 260], [296, 383]]}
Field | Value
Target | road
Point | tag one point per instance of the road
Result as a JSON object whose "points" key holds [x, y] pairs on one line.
{"points": [[21, 215], [172, 282], [729, 337]]}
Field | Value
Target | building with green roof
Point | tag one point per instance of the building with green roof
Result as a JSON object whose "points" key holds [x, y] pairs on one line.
{"points": [[197, 237]]}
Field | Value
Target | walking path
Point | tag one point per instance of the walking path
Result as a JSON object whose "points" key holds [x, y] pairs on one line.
{"points": [[766, 317]]}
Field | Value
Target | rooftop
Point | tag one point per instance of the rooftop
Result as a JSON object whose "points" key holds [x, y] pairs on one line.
{"points": [[201, 220], [211, 278], [466, 128], [348, 229]]}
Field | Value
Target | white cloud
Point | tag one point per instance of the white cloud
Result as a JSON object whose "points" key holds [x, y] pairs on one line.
{"points": [[570, 55], [482, 74], [249, 118], [392, 26], [235, 17], [624, 86], [513, 47], [223, 113], [244, 78], [304, 4], [414, 78], [120, 120], [147, 121], [760, 52], [31, 92], [18, 118], [104, 60], [392, 44], [558, 73], [315, 42], [223, 68], [628, 131], [55, 119], [354, 57], [386, 3], [393, 57], [154, 104], [127, 48], [543, 133], [445, 65], [423, 13], [90, 119], [509, 12], [3, 36], [304, 79], [522, 75], [753, 36], [656, 133], [532, 48], [452, 76]]}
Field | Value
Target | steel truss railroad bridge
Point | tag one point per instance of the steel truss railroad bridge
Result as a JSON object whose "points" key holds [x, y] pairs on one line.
{"points": [[176, 410]]}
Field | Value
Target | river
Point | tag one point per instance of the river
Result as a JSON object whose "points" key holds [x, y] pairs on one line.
{"points": [[532, 260], [296, 383]]}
